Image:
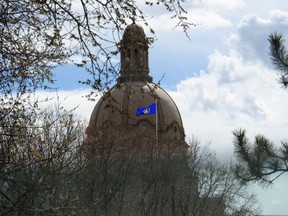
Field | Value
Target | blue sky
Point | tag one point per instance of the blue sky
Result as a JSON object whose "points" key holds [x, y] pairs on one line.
{"points": [[221, 78]]}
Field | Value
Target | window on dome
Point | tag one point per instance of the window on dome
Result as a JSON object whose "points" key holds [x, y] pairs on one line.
{"points": [[136, 60], [143, 126], [129, 54], [175, 129]]}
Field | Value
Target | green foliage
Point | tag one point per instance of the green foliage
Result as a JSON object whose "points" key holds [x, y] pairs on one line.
{"points": [[259, 161], [279, 56], [262, 161]]}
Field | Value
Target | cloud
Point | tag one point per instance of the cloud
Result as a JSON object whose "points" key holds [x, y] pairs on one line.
{"points": [[204, 19], [251, 39], [229, 95], [208, 19], [221, 4], [69, 99], [220, 88], [237, 89], [279, 17], [202, 13]]}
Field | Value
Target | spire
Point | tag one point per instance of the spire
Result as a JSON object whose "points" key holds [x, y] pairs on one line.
{"points": [[134, 55]]}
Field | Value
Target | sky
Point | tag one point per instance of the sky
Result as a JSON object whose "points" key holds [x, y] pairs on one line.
{"points": [[221, 78]]}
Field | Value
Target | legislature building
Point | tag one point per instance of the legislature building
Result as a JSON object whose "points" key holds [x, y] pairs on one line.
{"points": [[136, 132]]}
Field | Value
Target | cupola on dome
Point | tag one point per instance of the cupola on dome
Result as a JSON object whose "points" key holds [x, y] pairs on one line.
{"points": [[136, 91]]}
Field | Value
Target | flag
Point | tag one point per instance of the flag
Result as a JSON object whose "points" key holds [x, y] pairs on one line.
{"points": [[146, 110]]}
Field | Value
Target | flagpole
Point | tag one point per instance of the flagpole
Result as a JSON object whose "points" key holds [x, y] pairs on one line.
{"points": [[156, 123]]}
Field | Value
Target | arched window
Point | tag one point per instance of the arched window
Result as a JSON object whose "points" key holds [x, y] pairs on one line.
{"points": [[175, 129], [129, 54], [143, 126], [136, 57]]}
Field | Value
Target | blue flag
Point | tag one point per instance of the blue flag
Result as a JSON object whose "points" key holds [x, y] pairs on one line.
{"points": [[146, 110]]}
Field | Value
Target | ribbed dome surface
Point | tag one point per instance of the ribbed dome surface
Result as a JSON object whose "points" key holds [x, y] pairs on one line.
{"points": [[119, 106]]}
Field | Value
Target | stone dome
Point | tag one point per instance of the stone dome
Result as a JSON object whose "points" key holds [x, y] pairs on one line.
{"points": [[135, 89], [134, 33], [119, 106]]}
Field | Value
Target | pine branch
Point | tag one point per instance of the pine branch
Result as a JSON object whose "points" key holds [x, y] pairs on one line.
{"points": [[260, 161], [279, 56], [241, 144]]}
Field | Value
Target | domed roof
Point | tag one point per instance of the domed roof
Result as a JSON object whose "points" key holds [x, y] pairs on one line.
{"points": [[134, 90], [135, 32], [120, 104]]}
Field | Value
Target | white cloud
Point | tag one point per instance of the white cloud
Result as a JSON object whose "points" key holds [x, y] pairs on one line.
{"points": [[232, 93], [280, 17], [69, 100], [203, 18], [238, 89], [251, 40], [221, 4], [220, 89], [208, 19]]}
